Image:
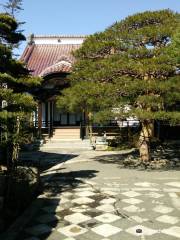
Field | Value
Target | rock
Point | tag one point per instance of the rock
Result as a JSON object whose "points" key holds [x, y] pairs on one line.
{"points": [[132, 162], [101, 144], [158, 164]]}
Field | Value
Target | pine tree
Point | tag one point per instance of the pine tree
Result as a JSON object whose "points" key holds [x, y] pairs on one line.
{"points": [[13, 6], [16, 86], [140, 57], [88, 98]]}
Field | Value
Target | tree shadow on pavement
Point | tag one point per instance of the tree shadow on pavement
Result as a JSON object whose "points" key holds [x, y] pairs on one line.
{"points": [[115, 158], [54, 204], [170, 154], [44, 160]]}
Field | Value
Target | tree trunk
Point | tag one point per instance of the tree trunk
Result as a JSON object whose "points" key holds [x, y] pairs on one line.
{"points": [[13, 148], [15, 154], [90, 126], [146, 134]]}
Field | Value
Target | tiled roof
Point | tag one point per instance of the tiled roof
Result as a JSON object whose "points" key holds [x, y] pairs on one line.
{"points": [[41, 59], [60, 36], [62, 66]]}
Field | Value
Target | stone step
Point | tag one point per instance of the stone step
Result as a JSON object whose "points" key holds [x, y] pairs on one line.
{"points": [[65, 137], [55, 140], [68, 134], [67, 130], [67, 144]]}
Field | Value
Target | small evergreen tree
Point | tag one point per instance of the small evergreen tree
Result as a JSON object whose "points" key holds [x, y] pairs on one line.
{"points": [[140, 57], [89, 98], [13, 6], [16, 104]]}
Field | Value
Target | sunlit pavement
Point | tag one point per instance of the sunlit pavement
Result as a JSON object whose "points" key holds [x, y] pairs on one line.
{"points": [[91, 196]]}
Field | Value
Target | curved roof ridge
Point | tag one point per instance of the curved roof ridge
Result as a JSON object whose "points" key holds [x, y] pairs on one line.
{"points": [[59, 36], [61, 66]]}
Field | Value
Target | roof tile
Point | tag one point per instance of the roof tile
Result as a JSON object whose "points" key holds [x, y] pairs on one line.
{"points": [[41, 59]]}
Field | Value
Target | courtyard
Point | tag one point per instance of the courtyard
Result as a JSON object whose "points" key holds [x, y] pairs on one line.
{"points": [[89, 195]]}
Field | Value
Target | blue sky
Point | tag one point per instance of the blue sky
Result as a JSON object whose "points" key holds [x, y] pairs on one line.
{"points": [[82, 16]]}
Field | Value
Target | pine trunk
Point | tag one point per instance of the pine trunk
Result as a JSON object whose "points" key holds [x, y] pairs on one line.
{"points": [[146, 134], [90, 126]]}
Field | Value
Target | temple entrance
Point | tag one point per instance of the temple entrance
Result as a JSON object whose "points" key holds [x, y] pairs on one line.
{"points": [[66, 119]]}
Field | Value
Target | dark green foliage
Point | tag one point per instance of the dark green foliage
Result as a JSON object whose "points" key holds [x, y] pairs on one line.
{"points": [[13, 6], [86, 96], [16, 86], [140, 57]]}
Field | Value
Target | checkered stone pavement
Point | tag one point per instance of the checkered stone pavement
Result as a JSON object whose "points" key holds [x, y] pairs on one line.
{"points": [[141, 210]]}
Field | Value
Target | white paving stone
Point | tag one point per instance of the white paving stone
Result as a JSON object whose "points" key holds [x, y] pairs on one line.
{"points": [[64, 200], [85, 194], [106, 208], [83, 200], [67, 194], [72, 230], [154, 195], [83, 189], [145, 184], [132, 200], [171, 190], [111, 193], [168, 219], [77, 218], [137, 189], [107, 218], [80, 209], [106, 230], [157, 202], [133, 209], [108, 201], [131, 194], [145, 231], [173, 231], [173, 195], [163, 209], [173, 184], [69, 238], [139, 219], [106, 239], [90, 183]]}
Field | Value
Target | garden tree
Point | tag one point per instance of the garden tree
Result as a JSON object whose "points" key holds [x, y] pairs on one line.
{"points": [[16, 86], [13, 6], [140, 57], [87, 97]]}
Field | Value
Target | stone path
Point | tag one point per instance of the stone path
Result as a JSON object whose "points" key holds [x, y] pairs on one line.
{"points": [[90, 197]]}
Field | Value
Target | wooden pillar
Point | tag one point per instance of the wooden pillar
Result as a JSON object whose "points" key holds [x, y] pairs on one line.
{"points": [[39, 118], [50, 118]]}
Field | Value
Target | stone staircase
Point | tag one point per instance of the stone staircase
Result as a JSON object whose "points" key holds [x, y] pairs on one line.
{"points": [[66, 133], [67, 145], [67, 138]]}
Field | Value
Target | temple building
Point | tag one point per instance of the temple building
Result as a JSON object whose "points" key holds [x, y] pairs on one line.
{"points": [[50, 57]]}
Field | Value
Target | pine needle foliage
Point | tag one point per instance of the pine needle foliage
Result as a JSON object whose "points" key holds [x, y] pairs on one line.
{"points": [[139, 56], [16, 87]]}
